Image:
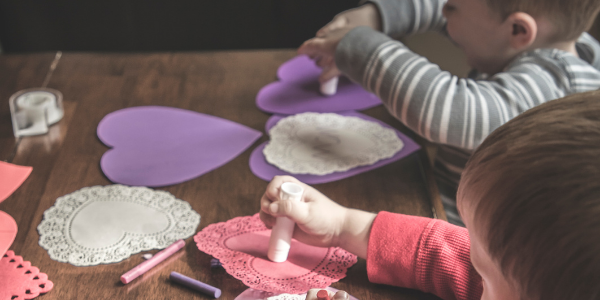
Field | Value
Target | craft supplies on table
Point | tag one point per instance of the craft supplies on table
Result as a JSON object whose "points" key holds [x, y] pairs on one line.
{"points": [[195, 284]]}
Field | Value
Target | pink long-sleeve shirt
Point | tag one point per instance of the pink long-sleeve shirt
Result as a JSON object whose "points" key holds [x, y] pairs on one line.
{"points": [[424, 254]]}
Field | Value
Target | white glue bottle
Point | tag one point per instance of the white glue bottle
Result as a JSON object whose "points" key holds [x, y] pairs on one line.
{"points": [[329, 88], [281, 234]]}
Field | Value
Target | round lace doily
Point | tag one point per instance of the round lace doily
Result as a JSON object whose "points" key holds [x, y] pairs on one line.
{"points": [[241, 244], [323, 143], [107, 224]]}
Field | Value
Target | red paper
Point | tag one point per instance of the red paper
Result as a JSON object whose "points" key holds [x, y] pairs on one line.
{"points": [[8, 231], [20, 280], [11, 177], [241, 245]]}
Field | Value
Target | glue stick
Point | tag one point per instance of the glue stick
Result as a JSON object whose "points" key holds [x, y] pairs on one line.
{"points": [[281, 234], [329, 88]]}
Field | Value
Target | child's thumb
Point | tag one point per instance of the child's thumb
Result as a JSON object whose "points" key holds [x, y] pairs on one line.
{"points": [[295, 210]]}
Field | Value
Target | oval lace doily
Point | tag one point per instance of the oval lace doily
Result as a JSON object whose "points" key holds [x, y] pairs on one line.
{"points": [[323, 143], [257, 272], [107, 224]]}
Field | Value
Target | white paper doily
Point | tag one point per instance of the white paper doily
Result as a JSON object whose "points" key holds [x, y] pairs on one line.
{"points": [[323, 143], [107, 224]]}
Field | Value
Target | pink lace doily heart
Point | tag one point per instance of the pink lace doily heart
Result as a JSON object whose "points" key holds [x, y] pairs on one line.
{"points": [[252, 294], [20, 280], [241, 245]]}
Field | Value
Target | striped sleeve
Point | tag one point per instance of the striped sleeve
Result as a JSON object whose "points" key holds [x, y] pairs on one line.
{"points": [[401, 18], [446, 109]]}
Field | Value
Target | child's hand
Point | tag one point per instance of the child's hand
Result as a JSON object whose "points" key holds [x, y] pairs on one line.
{"points": [[339, 295], [322, 50], [319, 221], [365, 15]]}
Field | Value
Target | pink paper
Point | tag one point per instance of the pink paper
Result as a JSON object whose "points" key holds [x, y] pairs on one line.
{"points": [[11, 177], [266, 171], [8, 231], [20, 280], [240, 244], [159, 146], [297, 91], [252, 294]]}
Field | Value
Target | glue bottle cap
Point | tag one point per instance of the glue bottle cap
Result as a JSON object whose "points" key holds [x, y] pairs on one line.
{"points": [[323, 295]]}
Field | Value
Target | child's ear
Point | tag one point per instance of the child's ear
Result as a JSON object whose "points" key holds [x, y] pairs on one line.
{"points": [[524, 30]]}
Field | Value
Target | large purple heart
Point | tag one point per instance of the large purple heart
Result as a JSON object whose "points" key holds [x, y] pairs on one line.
{"points": [[297, 91], [261, 168], [159, 146]]}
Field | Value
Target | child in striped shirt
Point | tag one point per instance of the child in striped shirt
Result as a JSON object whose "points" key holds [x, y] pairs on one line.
{"points": [[523, 53]]}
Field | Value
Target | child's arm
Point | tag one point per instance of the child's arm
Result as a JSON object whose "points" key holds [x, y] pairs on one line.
{"points": [[406, 251], [319, 221], [437, 105], [400, 18], [421, 253], [396, 18]]}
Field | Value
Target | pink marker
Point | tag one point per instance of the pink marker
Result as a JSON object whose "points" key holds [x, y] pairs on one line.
{"points": [[281, 234], [153, 261]]}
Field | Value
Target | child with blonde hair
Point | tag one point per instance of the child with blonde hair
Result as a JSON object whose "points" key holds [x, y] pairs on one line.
{"points": [[523, 53], [530, 199]]}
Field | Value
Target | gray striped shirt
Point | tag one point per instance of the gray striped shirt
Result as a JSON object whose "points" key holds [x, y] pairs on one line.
{"points": [[458, 113]]}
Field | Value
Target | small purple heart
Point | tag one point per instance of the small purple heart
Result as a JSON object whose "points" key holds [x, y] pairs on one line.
{"points": [[266, 171], [298, 91], [159, 146]]}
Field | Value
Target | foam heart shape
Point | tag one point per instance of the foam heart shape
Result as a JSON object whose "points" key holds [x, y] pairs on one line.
{"points": [[11, 177], [297, 91], [104, 223], [301, 260], [159, 146], [8, 232]]}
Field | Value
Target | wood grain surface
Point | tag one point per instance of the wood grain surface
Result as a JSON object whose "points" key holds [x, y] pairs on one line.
{"points": [[223, 84]]}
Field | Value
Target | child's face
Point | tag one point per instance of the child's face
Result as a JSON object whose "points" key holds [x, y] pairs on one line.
{"points": [[479, 33], [495, 285]]}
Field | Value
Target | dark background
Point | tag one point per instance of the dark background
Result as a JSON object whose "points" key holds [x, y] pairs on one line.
{"points": [[164, 25], [161, 25]]}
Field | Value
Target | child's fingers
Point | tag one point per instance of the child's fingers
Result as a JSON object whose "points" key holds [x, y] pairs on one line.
{"points": [[340, 295], [267, 219], [328, 73], [312, 294], [336, 23], [295, 210], [313, 48]]}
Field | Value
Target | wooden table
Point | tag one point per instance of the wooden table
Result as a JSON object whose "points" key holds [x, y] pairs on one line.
{"points": [[223, 84]]}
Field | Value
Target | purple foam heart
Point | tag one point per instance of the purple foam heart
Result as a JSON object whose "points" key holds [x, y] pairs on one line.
{"points": [[261, 168], [298, 91], [159, 146]]}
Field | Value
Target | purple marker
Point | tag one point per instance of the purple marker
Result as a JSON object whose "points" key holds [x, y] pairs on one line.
{"points": [[195, 284]]}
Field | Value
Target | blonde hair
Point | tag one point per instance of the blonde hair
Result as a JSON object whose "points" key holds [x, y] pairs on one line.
{"points": [[570, 17], [534, 184]]}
